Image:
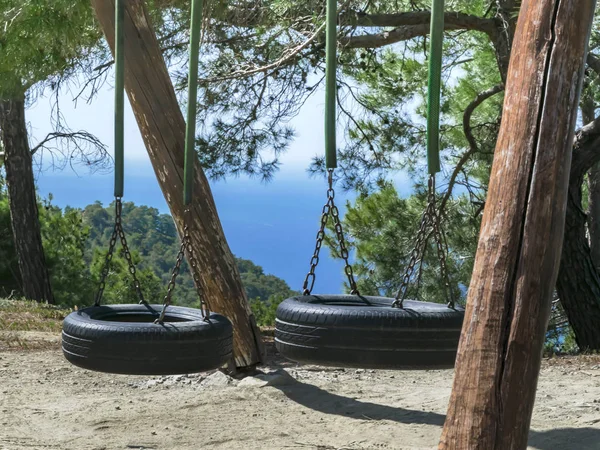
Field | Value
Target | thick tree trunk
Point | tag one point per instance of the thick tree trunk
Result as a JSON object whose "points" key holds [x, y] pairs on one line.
{"points": [[588, 110], [578, 283], [161, 123], [517, 259], [35, 281], [594, 215]]}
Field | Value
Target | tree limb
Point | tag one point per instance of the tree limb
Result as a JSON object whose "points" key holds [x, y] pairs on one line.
{"points": [[412, 24], [455, 20], [473, 147]]}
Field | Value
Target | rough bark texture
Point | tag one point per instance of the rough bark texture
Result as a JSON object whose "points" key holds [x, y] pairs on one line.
{"points": [[594, 214], [588, 110], [517, 259], [35, 281], [161, 123], [578, 283]]}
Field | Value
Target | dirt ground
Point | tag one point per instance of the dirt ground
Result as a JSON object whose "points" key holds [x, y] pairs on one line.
{"points": [[45, 403]]}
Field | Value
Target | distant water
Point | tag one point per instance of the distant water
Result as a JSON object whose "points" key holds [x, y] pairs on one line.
{"points": [[274, 224]]}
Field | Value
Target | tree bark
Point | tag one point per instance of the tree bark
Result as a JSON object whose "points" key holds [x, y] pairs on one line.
{"points": [[588, 110], [162, 126], [35, 281], [578, 283], [517, 259], [594, 215]]}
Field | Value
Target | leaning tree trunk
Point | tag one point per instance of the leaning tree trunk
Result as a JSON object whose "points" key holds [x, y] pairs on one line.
{"points": [[517, 259], [161, 123], [35, 281]]}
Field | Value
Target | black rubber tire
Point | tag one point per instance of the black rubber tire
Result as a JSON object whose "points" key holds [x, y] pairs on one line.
{"points": [[109, 339], [366, 332]]}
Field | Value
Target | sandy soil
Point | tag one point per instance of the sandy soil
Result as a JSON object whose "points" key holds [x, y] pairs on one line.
{"points": [[45, 403]]}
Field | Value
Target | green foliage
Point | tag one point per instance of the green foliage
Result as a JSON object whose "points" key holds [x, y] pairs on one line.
{"points": [[76, 243], [41, 39], [561, 341], [381, 228], [155, 242], [120, 287], [264, 311], [64, 237]]}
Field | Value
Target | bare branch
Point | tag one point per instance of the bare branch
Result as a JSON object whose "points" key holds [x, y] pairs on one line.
{"points": [[286, 58], [473, 147], [455, 20], [74, 146], [411, 25]]}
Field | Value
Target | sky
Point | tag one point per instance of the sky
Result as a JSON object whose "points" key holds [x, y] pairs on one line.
{"points": [[273, 224]]}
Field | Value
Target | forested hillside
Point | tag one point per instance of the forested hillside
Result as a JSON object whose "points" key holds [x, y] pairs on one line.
{"points": [[76, 243]]}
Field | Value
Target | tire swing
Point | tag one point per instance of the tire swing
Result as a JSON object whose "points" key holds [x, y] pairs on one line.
{"points": [[365, 331], [146, 339]]}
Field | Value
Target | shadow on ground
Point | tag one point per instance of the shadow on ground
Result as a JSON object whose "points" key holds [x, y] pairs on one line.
{"points": [[326, 402]]}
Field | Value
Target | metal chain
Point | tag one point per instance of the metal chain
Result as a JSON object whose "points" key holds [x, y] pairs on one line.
{"points": [[106, 267], [330, 209], [204, 306], [415, 255], [118, 232], [186, 244], [132, 269], [441, 252], [430, 225]]}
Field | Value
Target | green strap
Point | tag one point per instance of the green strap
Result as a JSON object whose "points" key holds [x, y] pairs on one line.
{"points": [[330, 84], [435, 81], [190, 130], [119, 96]]}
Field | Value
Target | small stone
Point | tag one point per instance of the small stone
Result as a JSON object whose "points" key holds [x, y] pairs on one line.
{"points": [[252, 382], [217, 379], [360, 371], [118, 408]]}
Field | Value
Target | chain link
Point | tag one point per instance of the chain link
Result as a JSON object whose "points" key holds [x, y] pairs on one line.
{"points": [[430, 225], [330, 209], [186, 245], [120, 233], [106, 267], [127, 253], [442, 250]]}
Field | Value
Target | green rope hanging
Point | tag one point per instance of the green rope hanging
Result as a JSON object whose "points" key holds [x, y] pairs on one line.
{"points": [[434, 89], [330, 84], [119, 96], [190, 130]]}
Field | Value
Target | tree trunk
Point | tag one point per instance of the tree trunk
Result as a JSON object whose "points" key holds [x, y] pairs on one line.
{"points": [[35, 281], [578, 283], [594, 215], [588, 110], [517, 259], [161, 123]]}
